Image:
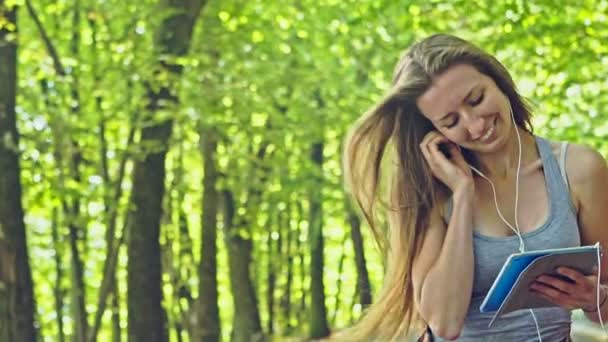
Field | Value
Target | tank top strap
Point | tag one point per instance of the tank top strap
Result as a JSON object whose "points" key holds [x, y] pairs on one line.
{"points": [[556, 186]]}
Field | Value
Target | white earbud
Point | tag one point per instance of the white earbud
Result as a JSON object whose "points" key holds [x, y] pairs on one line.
{"points": [[515, 228]]}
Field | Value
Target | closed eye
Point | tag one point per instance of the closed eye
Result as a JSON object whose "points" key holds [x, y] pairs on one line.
{"points": [[453, 122], [478, 100]]}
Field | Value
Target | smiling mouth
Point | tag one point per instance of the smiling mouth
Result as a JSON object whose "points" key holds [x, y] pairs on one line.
{"points": [[489, 132]]}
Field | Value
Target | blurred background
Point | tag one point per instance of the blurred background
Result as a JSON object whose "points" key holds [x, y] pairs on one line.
{"points": [[180, 160]]}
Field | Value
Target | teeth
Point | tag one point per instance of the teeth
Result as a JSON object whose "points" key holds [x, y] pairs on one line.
{"points": [[488, 134]]}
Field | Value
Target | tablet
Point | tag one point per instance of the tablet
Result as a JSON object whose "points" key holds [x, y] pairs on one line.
{"points": [[511, 288]]}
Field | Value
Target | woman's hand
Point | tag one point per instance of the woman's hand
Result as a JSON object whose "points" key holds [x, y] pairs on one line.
{"points": [[454, 171], [573, 291]]}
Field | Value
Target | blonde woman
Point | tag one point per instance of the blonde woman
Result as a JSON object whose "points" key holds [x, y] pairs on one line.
{"points": [[450, 159]]}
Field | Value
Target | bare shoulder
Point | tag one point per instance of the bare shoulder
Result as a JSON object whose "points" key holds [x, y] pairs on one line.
{"points": [[584, 163], [588, 177], [586, 169]]}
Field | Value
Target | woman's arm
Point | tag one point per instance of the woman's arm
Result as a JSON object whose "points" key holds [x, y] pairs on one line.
{"points": [[442, 272], [590, 191], [588, 178]]}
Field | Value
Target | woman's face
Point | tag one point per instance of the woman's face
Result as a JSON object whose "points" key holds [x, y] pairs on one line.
{"points": [[468, 108]]}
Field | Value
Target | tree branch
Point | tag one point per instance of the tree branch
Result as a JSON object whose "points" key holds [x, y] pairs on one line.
{"points": [[47, 41]]}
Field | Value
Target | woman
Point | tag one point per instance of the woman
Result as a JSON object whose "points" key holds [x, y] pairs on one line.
{"points": [[454, 136]]}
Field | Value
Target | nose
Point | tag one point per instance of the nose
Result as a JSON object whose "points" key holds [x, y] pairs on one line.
{"points": [[476, 126]]}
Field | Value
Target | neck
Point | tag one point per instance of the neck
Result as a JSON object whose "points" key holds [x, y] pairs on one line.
{"points": [[502, 164]]}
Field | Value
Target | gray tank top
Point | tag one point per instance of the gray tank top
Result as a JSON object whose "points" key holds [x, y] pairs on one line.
{"points": [[559, 230]]}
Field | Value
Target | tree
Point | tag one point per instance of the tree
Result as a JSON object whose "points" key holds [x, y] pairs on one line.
{"points": [[208, 313], [318, 311], [92, 98], [147, 321], [363, 285], [16, 294]]}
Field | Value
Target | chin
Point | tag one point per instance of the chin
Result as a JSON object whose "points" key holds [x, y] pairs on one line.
{"points": [[490, 147], [496, 143]]}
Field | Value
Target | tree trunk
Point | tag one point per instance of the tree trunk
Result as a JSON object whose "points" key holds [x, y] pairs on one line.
{"points": [[290, 232], [78, 290], [209, 325], [185, 267], [78, 232], [116, 330], [363, 285], [302, 271], [70, 204], [109, 283], [16, 294], [238, 232], [246, 324], [146, 317], [58, 289], [339, 282], [112, 196], [319, 327], [271, 272]]}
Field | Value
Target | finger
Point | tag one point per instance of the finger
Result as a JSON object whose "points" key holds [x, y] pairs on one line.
{"points": [[553, 300], [553, 295], [433, 137], [442, 164], [453, 150], [436, 143], [429, 147], [574, 275], [430, 160], [429, 136], [424, 148], [565, 286], [455, 160], [434, 148], [457, 156]]}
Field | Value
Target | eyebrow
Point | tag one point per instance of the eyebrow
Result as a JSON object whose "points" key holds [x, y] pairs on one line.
{"points": [[466, 98]]}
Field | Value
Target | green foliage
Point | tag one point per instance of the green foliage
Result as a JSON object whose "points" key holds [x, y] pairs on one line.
{"points": [[272, 78]]}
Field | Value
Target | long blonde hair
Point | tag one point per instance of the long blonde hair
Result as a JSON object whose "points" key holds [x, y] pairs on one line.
{"points": [[390, 181]]}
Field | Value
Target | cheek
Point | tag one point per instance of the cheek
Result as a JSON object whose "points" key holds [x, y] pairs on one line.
{"points": [[457, 135], [489, 108], [496, 104]]}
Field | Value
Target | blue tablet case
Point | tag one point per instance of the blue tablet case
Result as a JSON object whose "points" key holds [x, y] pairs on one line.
{"points": [[510, 290]]}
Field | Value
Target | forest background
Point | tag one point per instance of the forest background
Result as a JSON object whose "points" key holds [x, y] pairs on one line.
{"points": [[171, 169]]}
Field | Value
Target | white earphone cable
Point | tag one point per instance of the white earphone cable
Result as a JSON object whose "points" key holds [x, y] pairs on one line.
{"points": [[516, 228], [599, 277]]}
